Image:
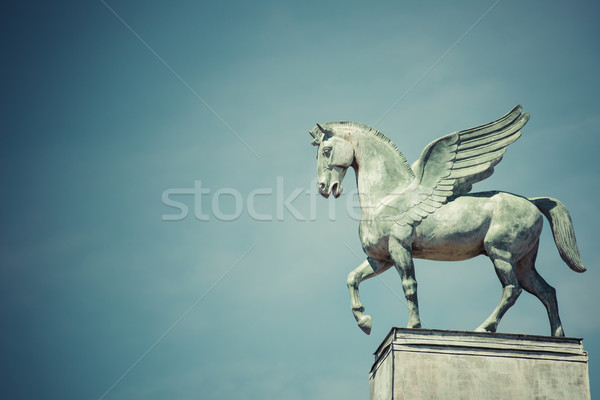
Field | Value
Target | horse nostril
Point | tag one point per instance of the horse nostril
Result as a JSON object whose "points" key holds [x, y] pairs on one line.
{"points": [[321, 186]]}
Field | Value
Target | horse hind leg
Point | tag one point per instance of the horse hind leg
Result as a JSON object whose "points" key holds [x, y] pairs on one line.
{"points": [[532, 282], [510, 291]]}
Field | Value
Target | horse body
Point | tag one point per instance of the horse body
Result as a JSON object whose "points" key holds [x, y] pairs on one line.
{"points": [[426, 211], [462, 229]]}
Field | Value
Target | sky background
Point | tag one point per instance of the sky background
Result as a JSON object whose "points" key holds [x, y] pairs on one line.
{"points": [[95, 127]]}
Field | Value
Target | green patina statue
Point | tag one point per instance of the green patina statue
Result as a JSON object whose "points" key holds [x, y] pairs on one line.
{"points": [[426, 211]]}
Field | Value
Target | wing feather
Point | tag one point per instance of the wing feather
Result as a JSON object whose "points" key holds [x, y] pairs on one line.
{"points": [[492, 126], [478, 159], [450, 165], [491, 139], [470, 171], [427, 208], [471, 152]]}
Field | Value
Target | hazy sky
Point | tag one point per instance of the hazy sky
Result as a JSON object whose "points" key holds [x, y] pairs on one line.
{"points": [[98, 120]]}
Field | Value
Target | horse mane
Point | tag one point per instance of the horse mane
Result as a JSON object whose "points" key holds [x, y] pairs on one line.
{"points": [[370, 130]]}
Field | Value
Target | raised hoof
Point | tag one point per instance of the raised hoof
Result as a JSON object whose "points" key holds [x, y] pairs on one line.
{"points": [[364, 323]]}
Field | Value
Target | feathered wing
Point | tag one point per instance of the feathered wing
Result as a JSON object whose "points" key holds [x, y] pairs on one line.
{"points": [[450, 165]]}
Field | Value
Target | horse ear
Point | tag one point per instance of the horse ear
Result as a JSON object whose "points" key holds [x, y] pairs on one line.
{"points": [[315, 141], [326, 132]]}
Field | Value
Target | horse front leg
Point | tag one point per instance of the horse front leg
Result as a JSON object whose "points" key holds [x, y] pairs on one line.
{"points": [[366, 270], [402, 255]]}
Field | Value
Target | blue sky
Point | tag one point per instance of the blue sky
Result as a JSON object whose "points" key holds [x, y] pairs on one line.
{"points": [[95, 128]]}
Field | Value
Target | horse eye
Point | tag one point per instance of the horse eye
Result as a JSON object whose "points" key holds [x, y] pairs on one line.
{"points": [[326, 152]]}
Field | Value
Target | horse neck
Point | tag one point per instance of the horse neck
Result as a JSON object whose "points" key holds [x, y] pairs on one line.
{"points": [[380, 170]]}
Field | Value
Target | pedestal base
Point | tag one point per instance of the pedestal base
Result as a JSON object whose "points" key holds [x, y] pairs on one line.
{"points": [[435, 364]]}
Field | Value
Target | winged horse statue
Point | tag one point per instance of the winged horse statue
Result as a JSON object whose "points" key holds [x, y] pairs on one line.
{"points": [[427, 211]]}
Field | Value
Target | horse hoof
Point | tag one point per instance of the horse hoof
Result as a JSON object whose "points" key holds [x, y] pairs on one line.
{"points": [[364, 323], [559, 332], [486, 328]]}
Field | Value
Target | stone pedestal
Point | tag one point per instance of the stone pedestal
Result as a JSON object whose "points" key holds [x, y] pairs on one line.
{"points": [[435, 364]]}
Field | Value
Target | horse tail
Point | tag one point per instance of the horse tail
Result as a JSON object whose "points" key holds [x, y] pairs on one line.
{"points": [[562, 229]]}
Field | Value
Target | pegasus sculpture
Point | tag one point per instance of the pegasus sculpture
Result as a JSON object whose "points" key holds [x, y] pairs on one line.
{"points": [[427, 211]]}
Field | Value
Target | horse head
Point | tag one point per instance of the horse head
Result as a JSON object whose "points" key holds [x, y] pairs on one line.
{"points": [[334, 156]]}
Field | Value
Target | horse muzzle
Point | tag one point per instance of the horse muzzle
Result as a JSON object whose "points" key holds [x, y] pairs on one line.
{"points": [[324, 190], [334, 189]]}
